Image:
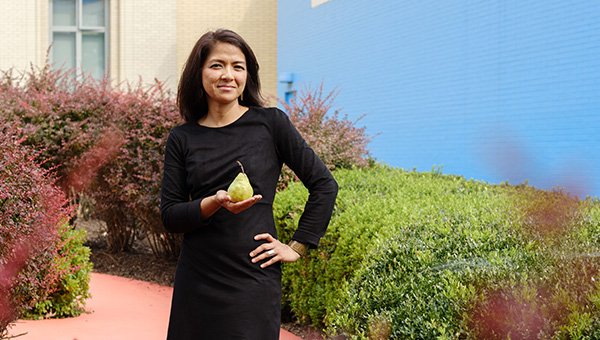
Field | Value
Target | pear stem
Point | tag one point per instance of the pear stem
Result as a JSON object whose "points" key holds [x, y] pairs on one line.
{"points": [[241, 166]]}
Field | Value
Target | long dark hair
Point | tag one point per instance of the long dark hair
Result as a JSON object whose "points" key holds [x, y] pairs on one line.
{"points": [[191, 97]]}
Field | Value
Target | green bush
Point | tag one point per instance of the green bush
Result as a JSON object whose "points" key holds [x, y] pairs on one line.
{"points": [[72, 287], [425, 255]]}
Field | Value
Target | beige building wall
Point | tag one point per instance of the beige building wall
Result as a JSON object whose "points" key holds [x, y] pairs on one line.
{"points": [[23, 33], [254, 20], [143, 41], [148, 39]]}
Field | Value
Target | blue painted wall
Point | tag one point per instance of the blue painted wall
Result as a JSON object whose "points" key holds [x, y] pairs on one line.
{"points": [[491, 90]]}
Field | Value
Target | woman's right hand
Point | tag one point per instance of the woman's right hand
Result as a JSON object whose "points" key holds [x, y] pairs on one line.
{"points": [[225, 201]]}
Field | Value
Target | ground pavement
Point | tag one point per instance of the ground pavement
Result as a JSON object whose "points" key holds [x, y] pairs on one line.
{"points": [[120, 309]]}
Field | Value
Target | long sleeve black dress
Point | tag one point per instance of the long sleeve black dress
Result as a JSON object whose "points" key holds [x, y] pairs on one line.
{"points": [[219, 293]]}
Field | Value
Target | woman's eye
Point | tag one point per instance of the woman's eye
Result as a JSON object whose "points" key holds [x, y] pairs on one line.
{"points": [[215, 65], [239, 67]]}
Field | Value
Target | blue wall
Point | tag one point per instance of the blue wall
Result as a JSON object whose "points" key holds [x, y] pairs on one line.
{"points": [[491, 90]]}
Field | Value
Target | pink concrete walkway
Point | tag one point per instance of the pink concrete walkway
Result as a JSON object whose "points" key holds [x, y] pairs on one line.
{"points": [[120, 309]]}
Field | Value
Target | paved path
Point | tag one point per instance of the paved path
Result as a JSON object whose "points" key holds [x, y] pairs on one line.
{"points": [[120, 309]]}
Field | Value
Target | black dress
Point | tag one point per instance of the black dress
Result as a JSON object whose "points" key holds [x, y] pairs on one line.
{"points": [[218, 292]]}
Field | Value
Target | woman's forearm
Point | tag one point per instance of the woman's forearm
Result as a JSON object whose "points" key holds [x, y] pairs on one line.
{"points": [[209, 206]]}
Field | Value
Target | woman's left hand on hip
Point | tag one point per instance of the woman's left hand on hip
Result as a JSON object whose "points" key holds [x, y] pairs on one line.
{"points": [[273, 250]]}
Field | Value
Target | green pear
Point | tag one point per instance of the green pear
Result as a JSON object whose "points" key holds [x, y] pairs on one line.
{"points": [[240, 189]]}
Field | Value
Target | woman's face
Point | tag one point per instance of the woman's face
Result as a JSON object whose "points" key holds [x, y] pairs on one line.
{"points": [[224, 74]]}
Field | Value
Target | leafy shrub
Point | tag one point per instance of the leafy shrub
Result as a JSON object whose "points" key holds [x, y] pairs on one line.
{"points": [[68, 295], [128, 187], [557, 297], [425, 255], [69, 119], [336, 140], [102, 141], [31, 209], [60, 115]]}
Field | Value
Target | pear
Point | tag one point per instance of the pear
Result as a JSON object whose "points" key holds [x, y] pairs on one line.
{"points": [[240, 189]]}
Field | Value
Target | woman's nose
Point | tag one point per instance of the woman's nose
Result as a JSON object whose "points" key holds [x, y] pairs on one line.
{"points": [[227, 74]]}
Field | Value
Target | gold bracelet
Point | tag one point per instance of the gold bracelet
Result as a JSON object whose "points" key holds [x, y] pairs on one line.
{"points": [[298, 247]]}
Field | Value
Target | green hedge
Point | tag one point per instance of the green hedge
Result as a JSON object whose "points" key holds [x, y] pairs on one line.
{"points": [[68, 294], [425, 255]]}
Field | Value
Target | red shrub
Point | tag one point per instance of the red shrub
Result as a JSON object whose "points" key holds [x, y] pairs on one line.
{"points": [[337, 141], [31, 208], [128, 188], [99, 140], [60, 114]]}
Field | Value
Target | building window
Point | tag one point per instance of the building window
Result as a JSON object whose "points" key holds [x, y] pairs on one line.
{"points": [[79, 35]]}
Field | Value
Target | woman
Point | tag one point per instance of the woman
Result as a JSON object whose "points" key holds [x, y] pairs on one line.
{"points": [[228, 278]]}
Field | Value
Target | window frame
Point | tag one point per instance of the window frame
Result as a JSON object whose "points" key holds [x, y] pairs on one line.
{"points": [[79, 29]]}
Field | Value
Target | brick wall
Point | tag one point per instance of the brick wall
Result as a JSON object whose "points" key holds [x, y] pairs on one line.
{"points": [[144, 40], [148, 38], [23, 33]]}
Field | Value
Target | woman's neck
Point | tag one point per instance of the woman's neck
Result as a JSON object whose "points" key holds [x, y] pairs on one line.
{"points": [[222, 115]]}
